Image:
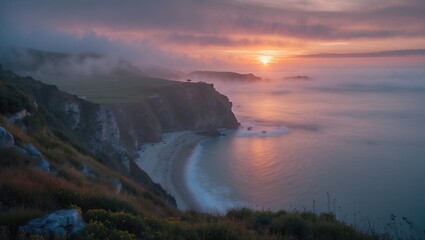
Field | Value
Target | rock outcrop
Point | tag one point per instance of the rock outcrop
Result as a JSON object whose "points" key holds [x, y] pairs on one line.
{"points": [[6, 139], [33, 151], [59, 223], [117, 185]]}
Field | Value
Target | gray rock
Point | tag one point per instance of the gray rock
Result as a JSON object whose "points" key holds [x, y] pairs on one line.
{"points": [[87, 171], [6, 138], [20, 150], [18, 116], [44, 165], [59, 223], [117, 185], [33, 151]]}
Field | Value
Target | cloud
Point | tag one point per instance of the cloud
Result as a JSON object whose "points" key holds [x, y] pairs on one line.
{"points": [[215, 40], [220, 16], [176, 33], [141, 51], [394, 53]]}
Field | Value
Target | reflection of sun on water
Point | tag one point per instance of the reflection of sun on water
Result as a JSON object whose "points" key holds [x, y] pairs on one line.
{"points": [[265, 60]]}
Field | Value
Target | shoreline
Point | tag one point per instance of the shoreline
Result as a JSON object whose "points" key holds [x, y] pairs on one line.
{"points": [[166, 161]]}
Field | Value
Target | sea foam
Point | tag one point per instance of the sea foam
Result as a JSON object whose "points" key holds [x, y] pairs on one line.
{"points": [[212, 199]]}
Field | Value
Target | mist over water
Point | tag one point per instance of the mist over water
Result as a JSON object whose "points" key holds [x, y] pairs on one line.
{"points": [[355, 133]]}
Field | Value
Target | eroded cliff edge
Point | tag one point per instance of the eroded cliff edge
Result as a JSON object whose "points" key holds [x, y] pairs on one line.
{"points": [[182, 106], [113, 132]]}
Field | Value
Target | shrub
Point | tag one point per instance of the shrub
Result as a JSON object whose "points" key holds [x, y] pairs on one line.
{"points": [[12, 158], [98, 199], [153, 224], [327, 217], [11, 219], [119, 220], [13, 99], [291, 225], [309, 216], [4, 233], [97, 230], [240, 214], [262, 221], [192, 217], [215, 231], [336, 230]]}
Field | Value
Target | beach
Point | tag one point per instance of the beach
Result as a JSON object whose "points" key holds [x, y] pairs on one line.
{"points": [[166, 161]]}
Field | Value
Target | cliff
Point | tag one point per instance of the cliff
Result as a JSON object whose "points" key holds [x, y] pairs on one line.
{"points": [[173, 107], [112, 132]]}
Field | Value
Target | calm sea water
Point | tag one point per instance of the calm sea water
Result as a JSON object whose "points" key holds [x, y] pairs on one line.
{"points": [[350, 141]]}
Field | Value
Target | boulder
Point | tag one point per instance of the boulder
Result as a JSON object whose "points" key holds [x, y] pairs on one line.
{"points": [[6, 138], [60, 223], [87, 171], [33, 151], [117, 185], [44, 165], [20, 150]]}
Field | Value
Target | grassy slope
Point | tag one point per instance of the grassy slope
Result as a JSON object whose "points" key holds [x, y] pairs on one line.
{"points": [[26, 193], [123, 90]]}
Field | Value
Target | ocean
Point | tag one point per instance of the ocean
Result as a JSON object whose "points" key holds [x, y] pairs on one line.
{"points": [[348, 140]]}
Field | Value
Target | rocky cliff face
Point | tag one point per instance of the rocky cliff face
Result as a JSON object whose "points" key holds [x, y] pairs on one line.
{"points": [[183, 106], [113, 132], [125, 126]]}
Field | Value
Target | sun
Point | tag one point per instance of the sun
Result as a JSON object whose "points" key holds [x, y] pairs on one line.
{"points": [[265, 60]]}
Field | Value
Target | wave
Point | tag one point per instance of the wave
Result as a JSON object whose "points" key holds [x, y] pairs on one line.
{"points": [[212, 199]]}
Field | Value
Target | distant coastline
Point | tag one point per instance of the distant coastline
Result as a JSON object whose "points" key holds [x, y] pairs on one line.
{"points": [[222, 76], [297, 77]]}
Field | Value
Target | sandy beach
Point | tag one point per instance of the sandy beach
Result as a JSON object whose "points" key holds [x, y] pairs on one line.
{"points": [[166, 161]]}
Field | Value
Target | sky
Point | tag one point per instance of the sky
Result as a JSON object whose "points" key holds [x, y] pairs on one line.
{"points": [[185, 34]]}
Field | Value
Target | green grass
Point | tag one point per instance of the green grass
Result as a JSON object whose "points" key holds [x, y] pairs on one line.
{"points": [[131, 90], [13, 99]]}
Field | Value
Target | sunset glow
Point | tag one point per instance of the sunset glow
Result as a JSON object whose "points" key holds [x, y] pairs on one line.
{"points": [[265, 60], [222, 33]]}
